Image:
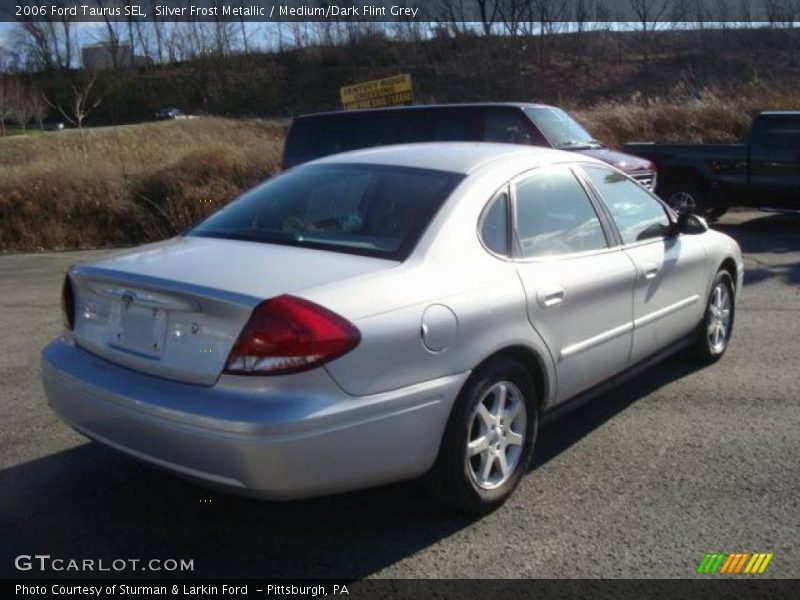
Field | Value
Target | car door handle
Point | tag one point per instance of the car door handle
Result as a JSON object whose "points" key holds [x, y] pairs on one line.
{"points": [[551, 295], [650, 270]]}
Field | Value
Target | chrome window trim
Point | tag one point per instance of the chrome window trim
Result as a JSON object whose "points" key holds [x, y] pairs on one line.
{"points": [[567, 256]]}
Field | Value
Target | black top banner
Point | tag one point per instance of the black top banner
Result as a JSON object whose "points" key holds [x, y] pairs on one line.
{"points": [[477, 11]]}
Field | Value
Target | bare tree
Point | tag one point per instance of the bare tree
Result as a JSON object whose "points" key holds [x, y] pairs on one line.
{"points": [[158, 31], [488, 11], [19, 102], [452, 17], [649, 14], [81, 104], [39, 107], [548, 16], [245, 43], [584, 12], [512, 13], [781, 13], [40, 41], [112, 37], [5, 101]]}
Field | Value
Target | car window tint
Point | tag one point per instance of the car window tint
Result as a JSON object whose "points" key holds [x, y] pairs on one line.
{"points": [[413, 126], [336, 136], [779, 130], [451, 126], [494, 230], [297, 140], [398, 128], [637, 214], [364, 209], [507, 126], [555, 216]]}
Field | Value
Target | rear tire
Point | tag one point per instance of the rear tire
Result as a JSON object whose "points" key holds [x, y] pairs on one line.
{"points": [[715, 330], [488, 443]]}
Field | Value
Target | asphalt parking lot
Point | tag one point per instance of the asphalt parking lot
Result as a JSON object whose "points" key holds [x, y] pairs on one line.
{"points": [[641, 482]]}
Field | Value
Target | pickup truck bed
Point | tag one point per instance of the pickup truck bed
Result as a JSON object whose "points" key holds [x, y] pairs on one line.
{"points": [[708, 178]]}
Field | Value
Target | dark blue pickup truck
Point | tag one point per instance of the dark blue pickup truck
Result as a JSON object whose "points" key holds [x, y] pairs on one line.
{"points": [[706, 179]]}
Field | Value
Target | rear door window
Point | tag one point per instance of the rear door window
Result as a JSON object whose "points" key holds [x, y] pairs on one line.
{"points": [[554, 215]]}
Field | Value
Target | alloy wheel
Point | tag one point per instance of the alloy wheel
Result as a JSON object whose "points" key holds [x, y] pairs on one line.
{"points": [[496, 435], [718, 323]]}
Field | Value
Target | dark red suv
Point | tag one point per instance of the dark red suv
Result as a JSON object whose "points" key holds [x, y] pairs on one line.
{"points": [[314, 136]]}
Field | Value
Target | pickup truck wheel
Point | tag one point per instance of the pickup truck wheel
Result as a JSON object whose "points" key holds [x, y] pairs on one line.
{"points": [[488, 442], [686, 199]]}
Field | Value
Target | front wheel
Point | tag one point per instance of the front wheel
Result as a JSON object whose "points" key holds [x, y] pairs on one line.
{"points": [[714, 332], [488, 443]]}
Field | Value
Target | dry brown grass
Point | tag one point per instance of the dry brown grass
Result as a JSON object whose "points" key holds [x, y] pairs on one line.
{"points": [[149, 181], [685, 115], [141, 182]]}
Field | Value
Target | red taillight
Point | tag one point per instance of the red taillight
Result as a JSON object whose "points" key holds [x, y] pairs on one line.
{"points": [[288, 334], [68, 304]]}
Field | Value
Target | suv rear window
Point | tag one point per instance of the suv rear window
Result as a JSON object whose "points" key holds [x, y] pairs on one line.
{"points": [[374, 210]]}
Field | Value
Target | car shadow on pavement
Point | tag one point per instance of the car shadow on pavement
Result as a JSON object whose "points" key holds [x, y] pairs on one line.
{"points": [[559, 435], [91, 502], [768, 233]]}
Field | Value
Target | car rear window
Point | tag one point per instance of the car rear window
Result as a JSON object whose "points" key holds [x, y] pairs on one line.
{"points": [[374, 210]]}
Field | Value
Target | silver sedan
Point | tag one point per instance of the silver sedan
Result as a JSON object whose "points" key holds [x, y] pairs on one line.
{"points": [[387, 314]]}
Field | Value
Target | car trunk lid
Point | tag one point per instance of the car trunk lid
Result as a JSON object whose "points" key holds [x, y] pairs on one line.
{"points": [[175, 309]]}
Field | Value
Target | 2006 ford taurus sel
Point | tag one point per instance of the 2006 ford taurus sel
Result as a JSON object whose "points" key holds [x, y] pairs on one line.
{"points": [[383, 314]]}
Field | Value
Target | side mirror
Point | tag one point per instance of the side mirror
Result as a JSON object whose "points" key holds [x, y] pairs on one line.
{"points": [[690, 224]]}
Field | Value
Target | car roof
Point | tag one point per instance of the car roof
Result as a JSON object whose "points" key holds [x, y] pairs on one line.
{"points": [[415, 107], [454, 157]]}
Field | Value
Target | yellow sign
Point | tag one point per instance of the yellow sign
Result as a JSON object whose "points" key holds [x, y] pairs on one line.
{"points": [[391, 91]]}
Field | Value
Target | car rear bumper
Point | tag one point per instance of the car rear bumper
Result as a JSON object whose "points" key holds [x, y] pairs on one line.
{"points": [[251, 438]]}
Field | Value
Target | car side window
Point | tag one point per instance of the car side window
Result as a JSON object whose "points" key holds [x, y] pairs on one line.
{"points": [[637, 214], [494, 228], [554, 215], [778, 130]]}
